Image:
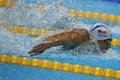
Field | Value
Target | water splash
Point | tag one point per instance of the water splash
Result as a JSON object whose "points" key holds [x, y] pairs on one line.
{"points": [[55, 15]]}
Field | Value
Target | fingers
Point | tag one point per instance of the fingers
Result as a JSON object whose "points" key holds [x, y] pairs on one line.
{"points": [[39, 49], [35, 52], [31, 53]]}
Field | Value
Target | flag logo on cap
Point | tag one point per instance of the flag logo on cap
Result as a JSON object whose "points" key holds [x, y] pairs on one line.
{"points": [[102, 31]]}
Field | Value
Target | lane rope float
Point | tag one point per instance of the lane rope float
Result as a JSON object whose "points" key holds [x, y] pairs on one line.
{"points": [[67, 67], [7, 3]]}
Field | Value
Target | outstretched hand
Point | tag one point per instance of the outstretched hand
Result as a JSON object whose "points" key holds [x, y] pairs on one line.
{"points": [[38, 49]]}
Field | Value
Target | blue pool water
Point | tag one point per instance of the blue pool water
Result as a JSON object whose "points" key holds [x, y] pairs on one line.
{"points": [[17, 44]]}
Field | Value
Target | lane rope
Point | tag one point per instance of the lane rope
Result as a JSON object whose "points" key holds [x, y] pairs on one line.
{"points": [[80, 13], [67, 67], [95, 15], [33, 32]]}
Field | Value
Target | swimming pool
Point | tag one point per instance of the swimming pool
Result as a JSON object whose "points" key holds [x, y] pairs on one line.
{"points": [[28, 15]]}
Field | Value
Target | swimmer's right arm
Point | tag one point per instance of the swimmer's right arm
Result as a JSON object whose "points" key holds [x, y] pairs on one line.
{"points": [[70, 39], [56, 40]]}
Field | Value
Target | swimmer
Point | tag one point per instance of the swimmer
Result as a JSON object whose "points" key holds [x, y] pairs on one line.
{"points": [[99, 33]]}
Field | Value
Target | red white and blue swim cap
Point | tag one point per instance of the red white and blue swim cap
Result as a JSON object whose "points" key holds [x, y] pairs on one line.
{"points": [[100, 32]]}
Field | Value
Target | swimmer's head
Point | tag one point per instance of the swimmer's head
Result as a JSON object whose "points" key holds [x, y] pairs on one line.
{"points": [[100, 32]]}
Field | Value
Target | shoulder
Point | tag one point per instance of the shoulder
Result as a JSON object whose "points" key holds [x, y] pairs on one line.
{"points": [[80, 31]]}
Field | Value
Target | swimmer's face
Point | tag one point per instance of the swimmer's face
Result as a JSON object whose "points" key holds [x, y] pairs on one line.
{"points": [[104, 44], [108, 41]]}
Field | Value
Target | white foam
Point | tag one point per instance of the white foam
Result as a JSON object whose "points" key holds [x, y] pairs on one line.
{"points": [[53, 16]]}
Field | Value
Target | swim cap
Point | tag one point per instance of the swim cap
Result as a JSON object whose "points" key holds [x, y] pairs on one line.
{"points": [[100, 32]]}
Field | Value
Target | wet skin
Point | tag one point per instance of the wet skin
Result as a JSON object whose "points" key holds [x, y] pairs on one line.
{"points": [[69, 40]]}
